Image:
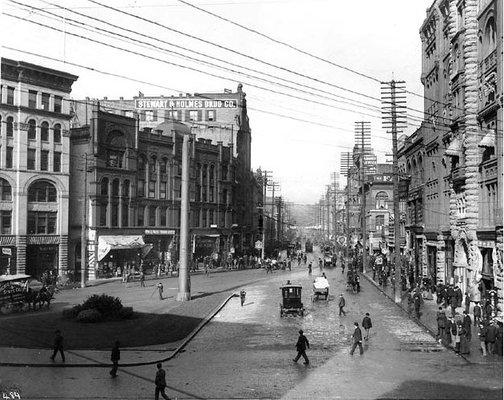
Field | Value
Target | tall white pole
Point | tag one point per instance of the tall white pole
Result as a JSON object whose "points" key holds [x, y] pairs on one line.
{"points": [[184, 293]]}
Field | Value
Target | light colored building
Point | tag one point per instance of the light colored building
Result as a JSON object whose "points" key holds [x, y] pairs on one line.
{"points": [[34, 168]]}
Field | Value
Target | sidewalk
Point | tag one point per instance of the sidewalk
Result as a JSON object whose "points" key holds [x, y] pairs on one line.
{"points": [[429, 321], [27, 357]]}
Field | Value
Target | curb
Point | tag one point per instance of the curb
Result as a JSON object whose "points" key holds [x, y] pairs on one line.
{"points": [[174, 353], [417, 321]]}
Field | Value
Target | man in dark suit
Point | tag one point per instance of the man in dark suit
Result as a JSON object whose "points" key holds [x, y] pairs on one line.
{"points": [[301, 346], [466, 323], [341, 304], [357, 339], [115, 356]]}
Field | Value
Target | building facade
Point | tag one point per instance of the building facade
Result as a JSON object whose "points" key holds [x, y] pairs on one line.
{"points": [[34, 168], [134, 189], [454, 159]]}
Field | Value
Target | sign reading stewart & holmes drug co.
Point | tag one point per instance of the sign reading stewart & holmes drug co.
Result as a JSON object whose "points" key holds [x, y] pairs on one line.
{"points": [[164, 103]]}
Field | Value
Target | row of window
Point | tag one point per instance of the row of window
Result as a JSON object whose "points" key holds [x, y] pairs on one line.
{"points": [[32, 130], [39, 222], [45, 103], [39, 191], [190, 115]]}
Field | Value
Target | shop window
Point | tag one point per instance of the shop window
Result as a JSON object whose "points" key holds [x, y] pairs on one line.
{"points": [[45, 101], [10, 95], [5, 222], [44, 160], [10, 126], [41, 222], [44, 131], [58, 100], [32, 99], [152, 216], [57, 133], [9, 157], [5, 190], [42, 192], [32, 129], [57, 161]]}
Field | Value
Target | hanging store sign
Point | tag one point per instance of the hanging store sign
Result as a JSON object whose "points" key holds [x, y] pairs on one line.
{"points": [[164, 103]]}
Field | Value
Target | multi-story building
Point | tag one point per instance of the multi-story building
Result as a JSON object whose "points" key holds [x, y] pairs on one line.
{"points": [[34, 168], [455, 158], [215, 117], [134, 189]]}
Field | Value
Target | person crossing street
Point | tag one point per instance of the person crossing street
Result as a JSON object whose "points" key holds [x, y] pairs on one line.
{"points": [[341, 304], [357, 339], [301, 346]]}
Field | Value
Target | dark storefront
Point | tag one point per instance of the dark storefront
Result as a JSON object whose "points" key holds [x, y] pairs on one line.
{"points": [[40, 259]]}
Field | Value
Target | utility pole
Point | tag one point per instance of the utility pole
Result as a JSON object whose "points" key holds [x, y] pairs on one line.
{"points": [[363, 138], [345, 171], [265, 184], [84, 226], [394, 120], [184, 293], [334, 205]]}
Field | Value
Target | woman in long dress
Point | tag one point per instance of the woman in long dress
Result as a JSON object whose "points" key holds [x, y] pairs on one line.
{"points": [[464, 343]]}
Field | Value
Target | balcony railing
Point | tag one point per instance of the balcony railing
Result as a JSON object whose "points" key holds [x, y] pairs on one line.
{"points": [[489, 170], [489, 63], [458, 175]]}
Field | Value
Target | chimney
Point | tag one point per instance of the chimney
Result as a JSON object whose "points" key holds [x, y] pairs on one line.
{"points": [[121, 98], [105, 98]]}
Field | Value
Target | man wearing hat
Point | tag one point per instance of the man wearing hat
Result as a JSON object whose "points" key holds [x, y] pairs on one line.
{"points": [[301, 346]]}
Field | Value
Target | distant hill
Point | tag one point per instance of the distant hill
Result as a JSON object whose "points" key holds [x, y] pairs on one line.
{"points": [[304, 214]]}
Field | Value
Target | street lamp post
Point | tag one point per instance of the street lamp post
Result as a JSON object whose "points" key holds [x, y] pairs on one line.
{"points": [[184, 293]]}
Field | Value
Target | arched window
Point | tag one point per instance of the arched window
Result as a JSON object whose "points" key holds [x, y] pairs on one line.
{"points": [[163, 165], [152, 167], [104, 187], [10, 126], [381, 200], [44, 131], [115, 187], [141, 163], [42, 192], [490, 36], [126, 188], [57, 133], [5, 190], [32, 129]]}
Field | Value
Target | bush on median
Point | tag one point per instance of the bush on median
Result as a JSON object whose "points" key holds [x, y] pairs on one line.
{"points": [[98, 308]]}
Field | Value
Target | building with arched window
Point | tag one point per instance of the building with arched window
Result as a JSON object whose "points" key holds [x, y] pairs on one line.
{"points": [[34, 169]]}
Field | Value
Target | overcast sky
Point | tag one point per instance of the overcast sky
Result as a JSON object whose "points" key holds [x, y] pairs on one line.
{"points": [[377, 38]]}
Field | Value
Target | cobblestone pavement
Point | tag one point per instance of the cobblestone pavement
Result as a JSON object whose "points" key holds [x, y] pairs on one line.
{"points": [[246, 352]]}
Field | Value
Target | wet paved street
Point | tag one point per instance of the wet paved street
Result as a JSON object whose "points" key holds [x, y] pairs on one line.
{"points": [[246, 352]]}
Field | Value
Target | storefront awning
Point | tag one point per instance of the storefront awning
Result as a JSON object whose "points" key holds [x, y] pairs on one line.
{"points": [[455, 148], [126, 242], [488, 140]]}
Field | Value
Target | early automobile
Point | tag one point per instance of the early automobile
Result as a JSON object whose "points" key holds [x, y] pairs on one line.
{"points": [[291, 300]]}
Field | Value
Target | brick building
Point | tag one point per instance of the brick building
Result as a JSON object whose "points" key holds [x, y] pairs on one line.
{"points": [[34, 168]]}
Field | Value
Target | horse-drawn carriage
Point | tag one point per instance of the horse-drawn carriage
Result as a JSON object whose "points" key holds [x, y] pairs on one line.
{"points": [[20, 291]]}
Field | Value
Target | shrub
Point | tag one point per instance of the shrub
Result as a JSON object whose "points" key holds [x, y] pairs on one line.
{"points": [[126, 313], [106, 305], [71, 313], [89, 316]]}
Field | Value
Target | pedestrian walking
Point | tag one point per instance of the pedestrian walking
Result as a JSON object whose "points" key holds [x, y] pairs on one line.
{"points": [[357, 339], [417, 303], [467, 302], [142, 278], [160, 290], [455, 332], [442, 322], [482, 338], [341, 304], [309, 269], [160, 383], [477, 313], [301, 346], [242, 296], [367, 325], [458, 296], [453, 305], [464, 341], [58, 346], [115, 356], [466, 323], [491, 337]]}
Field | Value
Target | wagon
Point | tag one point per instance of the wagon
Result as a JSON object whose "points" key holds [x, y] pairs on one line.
{"points": [[320, 288], [291, 300]]}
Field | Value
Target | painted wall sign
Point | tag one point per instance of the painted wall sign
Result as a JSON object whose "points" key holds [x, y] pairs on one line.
{"points": [[164, 103]]}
